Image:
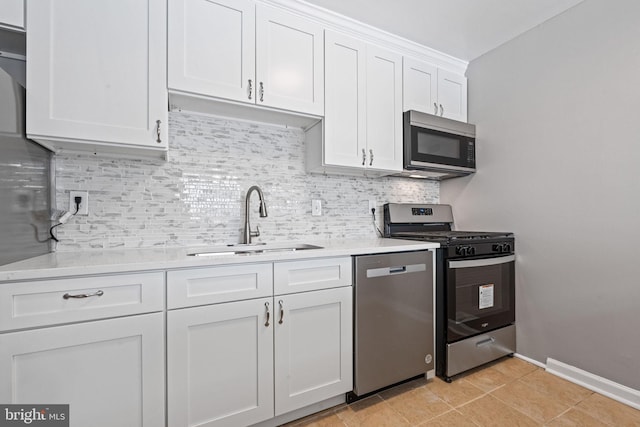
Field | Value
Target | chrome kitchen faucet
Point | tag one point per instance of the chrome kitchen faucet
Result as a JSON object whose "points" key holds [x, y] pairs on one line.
{"points": [[248, 234]]}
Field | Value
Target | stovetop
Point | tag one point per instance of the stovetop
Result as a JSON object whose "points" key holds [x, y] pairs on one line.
{"points": [[447, 236], [434, 222]]}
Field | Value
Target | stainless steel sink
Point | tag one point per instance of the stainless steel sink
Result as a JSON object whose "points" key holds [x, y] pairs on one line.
{"points": [[257, 248]]}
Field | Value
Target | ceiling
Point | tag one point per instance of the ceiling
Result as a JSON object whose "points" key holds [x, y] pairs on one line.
{"points": [[465, 29]]}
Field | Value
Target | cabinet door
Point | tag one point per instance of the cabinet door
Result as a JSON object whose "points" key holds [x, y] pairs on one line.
{"points": [[220, 364], [12, 14], [452, 95], [313, 340], [345, 106], [384, 109], [110, 372], [289, 62], [211, 47], [419, 86], [97, 71]]}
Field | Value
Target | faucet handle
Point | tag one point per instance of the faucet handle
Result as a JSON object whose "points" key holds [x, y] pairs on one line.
{"points": [[255, 233]]}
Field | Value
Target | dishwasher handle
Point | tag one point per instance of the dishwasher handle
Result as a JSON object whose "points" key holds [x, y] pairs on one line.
{"points": [[395, 270]]}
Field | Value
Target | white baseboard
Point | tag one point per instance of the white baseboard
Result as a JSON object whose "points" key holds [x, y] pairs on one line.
{"points": [[615, 391], [532, 361]]}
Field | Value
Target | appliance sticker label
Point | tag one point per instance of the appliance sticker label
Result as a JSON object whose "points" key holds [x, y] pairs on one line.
{"points": [[486, 296]]}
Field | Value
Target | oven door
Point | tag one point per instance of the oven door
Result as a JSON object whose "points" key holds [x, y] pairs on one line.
{"points": [[480, 295]]}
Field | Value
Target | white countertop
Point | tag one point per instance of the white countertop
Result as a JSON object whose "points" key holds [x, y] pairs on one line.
{"points": [[61, 264]]}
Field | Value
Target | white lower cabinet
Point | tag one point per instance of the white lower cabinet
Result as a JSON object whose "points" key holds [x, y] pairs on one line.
{"points": [[110, 372], [313, 347], [220, 364], [242, 362]]}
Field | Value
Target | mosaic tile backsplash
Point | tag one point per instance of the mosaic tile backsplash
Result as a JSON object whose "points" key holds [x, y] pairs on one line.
{"points": [[197, 196]]}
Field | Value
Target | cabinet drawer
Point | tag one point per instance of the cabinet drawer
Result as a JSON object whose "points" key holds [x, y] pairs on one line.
{"points": [[311, 275], [55, 301], [213, 285]]}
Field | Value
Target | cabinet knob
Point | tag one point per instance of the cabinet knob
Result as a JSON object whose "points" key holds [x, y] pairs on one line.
{"points": [[364, 157], [370, 156], [250, 88], [261, 92], [158, 140]]}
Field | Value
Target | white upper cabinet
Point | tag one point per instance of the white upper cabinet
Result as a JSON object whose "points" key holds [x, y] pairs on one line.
{"points": [[345, 106], [97, 75], [363, 110], [12, 14], [433, 90], [420, 86], [452, 95], [289, 65], [384, 109], [246, 52], [212, 48]]}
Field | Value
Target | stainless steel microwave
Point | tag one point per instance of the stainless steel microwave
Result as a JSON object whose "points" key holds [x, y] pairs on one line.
{"points": [[438, 148]]}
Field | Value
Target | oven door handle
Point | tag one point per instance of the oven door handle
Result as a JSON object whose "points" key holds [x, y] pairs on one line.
{"points": [[482, 262]]}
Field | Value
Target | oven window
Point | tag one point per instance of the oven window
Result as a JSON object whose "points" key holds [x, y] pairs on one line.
{"points": [[438, 145], [480, 291], [479, 298]]}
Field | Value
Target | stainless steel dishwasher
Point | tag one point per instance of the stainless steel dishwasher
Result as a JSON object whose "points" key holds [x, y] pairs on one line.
{"points": [[394, 320]]}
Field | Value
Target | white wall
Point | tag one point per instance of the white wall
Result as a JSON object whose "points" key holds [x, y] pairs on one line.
{"points": [[558, 121]]}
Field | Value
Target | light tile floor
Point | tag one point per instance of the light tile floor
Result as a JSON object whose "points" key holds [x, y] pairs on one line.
{"points": [[509, 392]]}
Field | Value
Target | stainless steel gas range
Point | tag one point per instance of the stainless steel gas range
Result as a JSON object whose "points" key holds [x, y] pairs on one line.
{"points": [[475, 286]]}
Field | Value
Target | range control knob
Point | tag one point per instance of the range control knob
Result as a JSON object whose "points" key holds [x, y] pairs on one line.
{"points": [[501, 247], [465, 250]]}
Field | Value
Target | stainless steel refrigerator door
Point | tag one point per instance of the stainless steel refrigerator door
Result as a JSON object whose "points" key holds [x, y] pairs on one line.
{"points": [[394, 319]]}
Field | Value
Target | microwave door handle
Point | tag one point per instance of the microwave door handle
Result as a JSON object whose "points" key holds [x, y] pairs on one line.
{"points": [[482, 262]]}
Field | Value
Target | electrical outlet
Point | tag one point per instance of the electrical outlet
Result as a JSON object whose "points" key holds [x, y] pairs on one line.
{"points": [[316, 207], [84, 202], [372, 205]]}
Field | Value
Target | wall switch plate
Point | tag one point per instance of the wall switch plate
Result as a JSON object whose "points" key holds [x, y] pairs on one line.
{"points": [[372, 205], [84, 204], [316, 207]]}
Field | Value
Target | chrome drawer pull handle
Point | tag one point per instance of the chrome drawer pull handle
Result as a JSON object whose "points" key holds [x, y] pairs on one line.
{"points": [[441, 110], [95, 294], [250, 88], [266, 304], [261, 92], [364, 157], [371, 157], [158, 140], [435, 108], [281, 311], [485, 342]]}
